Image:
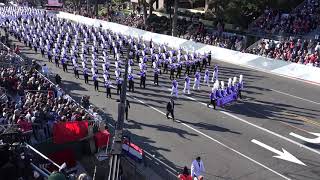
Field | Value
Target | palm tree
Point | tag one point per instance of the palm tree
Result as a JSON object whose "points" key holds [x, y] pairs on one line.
{"points": [[175, 18], [151, 2], [145, 13]]}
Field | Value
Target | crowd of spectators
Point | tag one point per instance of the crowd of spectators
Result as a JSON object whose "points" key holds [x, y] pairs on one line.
{"points": [[31, 102], [294, 50], [223, 40], [131, 20], [300, 21], [194, 31]]}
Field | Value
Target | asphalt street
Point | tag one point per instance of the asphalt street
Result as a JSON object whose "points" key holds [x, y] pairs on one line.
{"points": [[239, 141]]}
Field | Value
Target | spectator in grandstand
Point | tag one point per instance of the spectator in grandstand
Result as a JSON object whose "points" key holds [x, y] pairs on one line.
{"points": [[300, 21], [57, 176], [17, 49], [292, 50], [83, 176], [185, 175], [58, 79], [45, 70], [38, 103], [85, 101]]}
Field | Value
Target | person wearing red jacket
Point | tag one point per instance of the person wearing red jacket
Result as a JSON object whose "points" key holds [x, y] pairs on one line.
{"points": [[17, 49], [185, 174]]}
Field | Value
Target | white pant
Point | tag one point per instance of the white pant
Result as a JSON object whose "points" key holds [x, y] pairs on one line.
{"points": [[186, 87], [196, 84], [206, 79], [174, 91], [214, 78]]}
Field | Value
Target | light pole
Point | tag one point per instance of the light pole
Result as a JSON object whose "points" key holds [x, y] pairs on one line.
{"points": [[116, 148], [170, 15]]}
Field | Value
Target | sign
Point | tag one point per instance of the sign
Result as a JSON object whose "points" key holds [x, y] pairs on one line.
{"points": [[284, 155]]}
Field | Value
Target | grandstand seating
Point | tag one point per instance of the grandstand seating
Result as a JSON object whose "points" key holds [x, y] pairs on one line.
{"points": [[292, 50], [300, 21], [34, 99]]}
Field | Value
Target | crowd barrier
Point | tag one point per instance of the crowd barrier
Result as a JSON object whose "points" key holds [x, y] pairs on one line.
{"points": [[278, 67]]}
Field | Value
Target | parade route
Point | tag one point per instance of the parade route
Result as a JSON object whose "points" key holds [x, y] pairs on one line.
{"points": [[269, 134]]}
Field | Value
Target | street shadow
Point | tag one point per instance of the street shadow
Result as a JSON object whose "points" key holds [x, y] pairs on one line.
{"points": [[168, 129], [210, 127]]}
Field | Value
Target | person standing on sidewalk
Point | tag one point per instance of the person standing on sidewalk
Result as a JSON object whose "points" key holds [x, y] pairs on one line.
{"points": [[197, 169], [170, 109], [127, 107]]}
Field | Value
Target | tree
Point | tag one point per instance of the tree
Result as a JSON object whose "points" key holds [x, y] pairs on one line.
{"points": [[151, 2], [96, 8], [75, 4], [175, 18], [145, 13], [241, 12]]}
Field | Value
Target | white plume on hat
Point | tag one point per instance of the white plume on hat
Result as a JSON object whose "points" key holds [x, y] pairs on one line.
{"points": [[229, 82], [234, 81], [217, 84], [240, 78], [222, 84]]}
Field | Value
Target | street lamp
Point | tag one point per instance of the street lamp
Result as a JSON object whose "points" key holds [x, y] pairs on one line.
{"points": [[116, 148]]}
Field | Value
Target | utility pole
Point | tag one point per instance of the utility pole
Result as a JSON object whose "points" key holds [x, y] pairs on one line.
{"points": [[170, 15], [96, 8], [116, 148], [175, 18], [88, 7]]}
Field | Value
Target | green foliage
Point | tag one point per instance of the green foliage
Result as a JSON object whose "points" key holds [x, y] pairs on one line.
{"points": [[243, 12], [119, 1]]}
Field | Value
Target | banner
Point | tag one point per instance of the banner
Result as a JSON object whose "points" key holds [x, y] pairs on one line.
{"points": [[54, 3], [102, 138], [64, 132]]}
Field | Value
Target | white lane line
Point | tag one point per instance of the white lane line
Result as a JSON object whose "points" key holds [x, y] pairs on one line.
{"points": [[297, 97], [261, 128], [216, 141]]}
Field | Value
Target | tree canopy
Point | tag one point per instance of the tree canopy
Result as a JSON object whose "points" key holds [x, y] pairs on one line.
{"points": [[242, 12]]}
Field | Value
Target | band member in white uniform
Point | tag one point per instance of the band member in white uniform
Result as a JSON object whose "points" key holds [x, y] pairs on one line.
{"points": [[174, 89], [197, 78], [186, 85], [206, 77]]}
